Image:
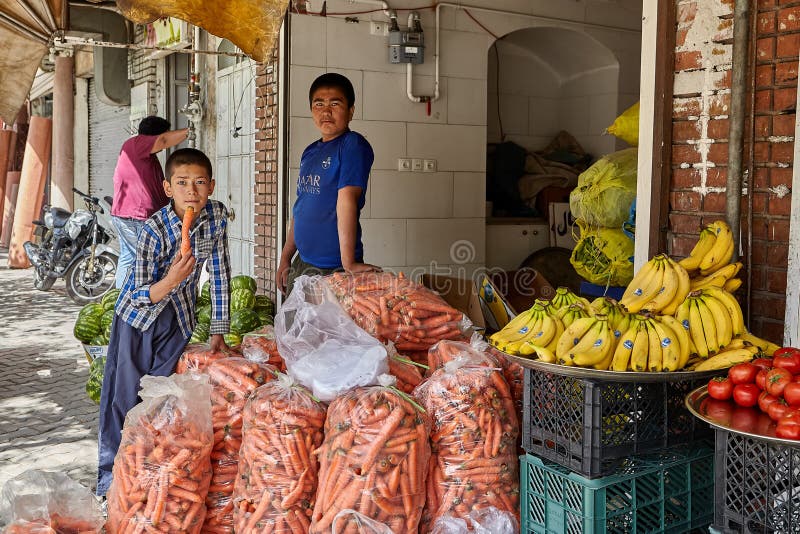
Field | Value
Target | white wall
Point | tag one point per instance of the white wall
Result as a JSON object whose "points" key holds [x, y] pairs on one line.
{"points": [[412, 220]]}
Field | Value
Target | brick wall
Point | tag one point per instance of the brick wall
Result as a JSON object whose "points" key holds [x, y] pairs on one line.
{"points": [[700, 135], [266, 179]]}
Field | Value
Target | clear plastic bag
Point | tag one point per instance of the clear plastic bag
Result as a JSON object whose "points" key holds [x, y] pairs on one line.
{"points": [[393, 308], [262, 346], [322, 346], [232, 381], [482, 521], [474, 439], [351, 522], [197, 356], [163, 467], [277, 481], [445, 351], [45, 502], [373, 459]]}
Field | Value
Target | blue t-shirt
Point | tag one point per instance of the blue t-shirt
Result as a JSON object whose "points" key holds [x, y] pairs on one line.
{"points": [[326, 167]]}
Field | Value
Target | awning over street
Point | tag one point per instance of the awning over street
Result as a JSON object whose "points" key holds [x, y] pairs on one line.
{"points": [[26, 27], [252, 25]]}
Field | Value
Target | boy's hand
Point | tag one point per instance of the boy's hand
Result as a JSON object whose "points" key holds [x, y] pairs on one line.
{"points": [[217, 342], [181, 268]]}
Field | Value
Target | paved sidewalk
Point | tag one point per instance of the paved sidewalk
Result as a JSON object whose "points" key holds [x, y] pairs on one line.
{"points": [[46, 420]]}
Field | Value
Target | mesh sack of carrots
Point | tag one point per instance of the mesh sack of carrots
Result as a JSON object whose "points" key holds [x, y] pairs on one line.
{"points": [[197, 356], [277, 481], [373, 459], [474, 439], [163, 467], [232, 381], [407, 372], [43, 502], [393, 308], [351, 522], [261, 346]]}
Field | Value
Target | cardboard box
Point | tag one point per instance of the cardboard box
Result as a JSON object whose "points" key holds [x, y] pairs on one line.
{"points": [[521, 288], [561, 223], [460, 293]]}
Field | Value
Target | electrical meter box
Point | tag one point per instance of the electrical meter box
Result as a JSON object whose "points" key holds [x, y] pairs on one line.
{"points": [[406, 47]]}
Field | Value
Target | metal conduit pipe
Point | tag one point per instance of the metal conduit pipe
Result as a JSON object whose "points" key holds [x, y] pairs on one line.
{"points": [[733, 190], [751, 176]]}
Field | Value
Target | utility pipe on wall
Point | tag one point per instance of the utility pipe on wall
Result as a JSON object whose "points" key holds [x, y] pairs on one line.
{"points": [[733, 190]]}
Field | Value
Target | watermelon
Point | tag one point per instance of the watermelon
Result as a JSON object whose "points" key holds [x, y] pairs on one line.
{"points": [[98, 340], [243, 282], [200, 334], [107, 318], [88, 327], [244, 321], [265, 303], [232, 340], [242, 299], [205, 295], [94, 384], [93, 309], [110, 299], [263, 317], [204, 314]]}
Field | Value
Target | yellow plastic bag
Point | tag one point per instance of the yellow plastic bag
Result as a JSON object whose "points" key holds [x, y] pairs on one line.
{"points": [[603, 256], [626, 126], [606, 190]]}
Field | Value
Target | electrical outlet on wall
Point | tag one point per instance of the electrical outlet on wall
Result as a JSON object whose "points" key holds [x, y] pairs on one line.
{"points": [[416, 165], [404, 164], [429, 165]]}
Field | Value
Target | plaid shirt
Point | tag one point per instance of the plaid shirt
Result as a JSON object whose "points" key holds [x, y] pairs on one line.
{"points": [[158, 243]]}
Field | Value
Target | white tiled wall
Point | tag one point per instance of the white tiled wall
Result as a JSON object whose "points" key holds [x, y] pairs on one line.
{"points": [[414, 219]]}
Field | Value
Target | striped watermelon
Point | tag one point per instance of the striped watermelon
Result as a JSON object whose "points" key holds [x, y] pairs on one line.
{"points": [[109, 299], [242, 299], [244, 321], [107, 318], [89, 323], [232, 340], [243, 282]]}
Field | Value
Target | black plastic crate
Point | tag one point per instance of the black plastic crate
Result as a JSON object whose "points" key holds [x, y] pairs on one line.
{"points": [[757, 487], [592, 426]]}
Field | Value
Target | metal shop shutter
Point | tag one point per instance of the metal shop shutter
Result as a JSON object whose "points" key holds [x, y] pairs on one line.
{"points": [[108, 129]]}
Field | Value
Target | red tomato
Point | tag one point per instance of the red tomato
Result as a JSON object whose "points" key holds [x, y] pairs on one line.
{"points": [[777, 380], [787, 431], [792, 394], [765, 400], [786, 350], [720, 388], [792, 417], [743, 373], [763, 363], [778, 409], [790, 362], [761, 379], [744, 419], [746, 395]]}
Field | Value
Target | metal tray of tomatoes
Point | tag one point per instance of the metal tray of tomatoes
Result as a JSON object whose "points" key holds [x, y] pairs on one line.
{"points": [[726, 415], [613, 376]]}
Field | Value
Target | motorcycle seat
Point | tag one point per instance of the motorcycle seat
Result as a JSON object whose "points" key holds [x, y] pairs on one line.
{"points": [[60, 217]]}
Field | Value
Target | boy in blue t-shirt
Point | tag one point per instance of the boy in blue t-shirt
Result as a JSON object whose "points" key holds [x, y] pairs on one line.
{"points": [[154, 314], [331, 189]]}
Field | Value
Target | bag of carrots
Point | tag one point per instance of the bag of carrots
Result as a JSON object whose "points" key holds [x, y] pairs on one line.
{"points": [[277, 479], [163, 466], [446, 351], [407, 372], [373, 459], [197, 356], [393, 308], [482, 521], [351, 522], [323, 348], [43, 502], [514, 374], [232, 381], [474, 438], [261, 346]]}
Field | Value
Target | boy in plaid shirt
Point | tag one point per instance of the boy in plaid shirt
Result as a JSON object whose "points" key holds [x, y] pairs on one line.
{"points": [[154, 315]]}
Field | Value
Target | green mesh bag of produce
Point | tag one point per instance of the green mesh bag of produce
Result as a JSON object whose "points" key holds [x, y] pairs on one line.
{"points": [[606, 190], [603, 256]]}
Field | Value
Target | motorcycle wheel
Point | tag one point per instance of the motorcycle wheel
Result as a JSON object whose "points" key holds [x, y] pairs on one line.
{"points": [[84, 287], [42, 282]]}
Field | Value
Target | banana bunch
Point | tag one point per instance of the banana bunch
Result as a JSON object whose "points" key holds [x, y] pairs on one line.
{"points": [[711, 317], [763, 345], [532, 332], [565, 297], [713, 250], [719, 278], [570, 313], [618, 318], [652, 344], [587, 342], [660, 286]]}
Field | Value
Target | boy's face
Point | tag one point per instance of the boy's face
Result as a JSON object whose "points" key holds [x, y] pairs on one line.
{"points": [[189, 186], [330, 112]]}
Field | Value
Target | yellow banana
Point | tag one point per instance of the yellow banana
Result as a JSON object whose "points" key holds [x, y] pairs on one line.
{"points": [[736, 343], [718, 278], [599, 349], [548, 331], [704, 244], [767, 347], [640, 279], [696, 330], [559, 330], [622, 354], [682, 337], [722, 250], [669, 287], [682, 316], [571, 336], [641, 292], [542, 353], [654, 351], [726, 359], [512, 327], [732, 285], [684, 285], [709, 326], [722, 319], [641, 348], [732, 305]]}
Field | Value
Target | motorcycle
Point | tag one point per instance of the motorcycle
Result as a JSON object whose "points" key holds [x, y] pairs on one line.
{"points": [[77, 247]]}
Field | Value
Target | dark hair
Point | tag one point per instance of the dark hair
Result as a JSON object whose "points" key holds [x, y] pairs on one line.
{"points": [[187, 156], [153, 125], [335, 80]]}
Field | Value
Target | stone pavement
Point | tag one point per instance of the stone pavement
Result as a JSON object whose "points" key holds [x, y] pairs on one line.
{"points": [[46, 420]]}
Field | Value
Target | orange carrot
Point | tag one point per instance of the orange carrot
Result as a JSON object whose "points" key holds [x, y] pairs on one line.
{"points": [[197, 356], [186, 242]]}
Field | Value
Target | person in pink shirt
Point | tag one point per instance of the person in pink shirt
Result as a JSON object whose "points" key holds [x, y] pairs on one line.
{"points": [[138, 185]]}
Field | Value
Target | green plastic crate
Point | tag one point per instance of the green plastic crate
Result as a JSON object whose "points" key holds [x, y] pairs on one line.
{"points": [[672, 491]]}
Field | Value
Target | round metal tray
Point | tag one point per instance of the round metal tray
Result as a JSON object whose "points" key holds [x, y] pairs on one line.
{"points": [[612, 376], [726, 415]]}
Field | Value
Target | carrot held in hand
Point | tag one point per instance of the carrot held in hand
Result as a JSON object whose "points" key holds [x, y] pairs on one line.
{"points": [[186, 242]]}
